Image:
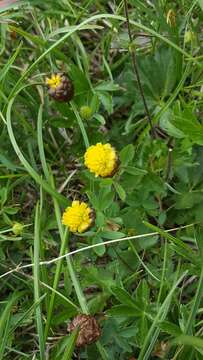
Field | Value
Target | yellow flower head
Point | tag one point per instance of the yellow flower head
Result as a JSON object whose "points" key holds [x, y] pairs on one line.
{"points": [[54, 81], [101, 160], [78, 217]]}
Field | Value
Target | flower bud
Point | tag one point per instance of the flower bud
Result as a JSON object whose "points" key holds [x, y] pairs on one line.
{"points": [[86, 112], [189, 36], [17, 228]]}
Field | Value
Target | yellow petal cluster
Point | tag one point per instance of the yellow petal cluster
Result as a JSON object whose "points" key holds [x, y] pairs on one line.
{"points": [[54, 81], [78, 217], [101, 159]]}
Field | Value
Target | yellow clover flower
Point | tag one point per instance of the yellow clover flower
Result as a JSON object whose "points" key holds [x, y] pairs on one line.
{"points": [[54, 81], [101, 159], [78, 217]]}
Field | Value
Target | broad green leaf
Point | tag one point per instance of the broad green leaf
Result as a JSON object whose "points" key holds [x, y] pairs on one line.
{"points": [[134, 170], [201, 4], [99, 250], [127, 154], [111, 235], [124, 297], [120, 191], [170, 328], [187, 340], [188, 200]]}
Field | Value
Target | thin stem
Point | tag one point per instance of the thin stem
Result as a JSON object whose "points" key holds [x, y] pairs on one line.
{"points": [[55, 284], [81, 125], [77, 287], [109, 242], [136, 71], [163, 272], [40, 143], [142, 262], [36, 272], [169, 160]]}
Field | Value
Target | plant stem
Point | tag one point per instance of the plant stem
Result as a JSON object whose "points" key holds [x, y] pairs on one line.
{"points": [[55, 284], [36, 272], [77, 287], [136, 71], [81, 125]]}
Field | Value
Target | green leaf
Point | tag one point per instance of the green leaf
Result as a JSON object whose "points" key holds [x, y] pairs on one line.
{"points": [[120, 191], [59, 122], [187, 122], [107, 86], [187, 340], [188, 200], [93, 199], [199, 238], [134, 170], [122, 311], [170, 328], [106, 100], [35, 39], [166, 125], [100, 219], [112, 235], [201, 4], [124, 297], [70, 345], [7, 66], [99, 250], [106, 197], [7, 310], [100, 119], [127, 154]]}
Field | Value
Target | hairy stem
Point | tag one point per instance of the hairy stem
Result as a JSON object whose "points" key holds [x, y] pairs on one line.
{"points": [[136, 71]]}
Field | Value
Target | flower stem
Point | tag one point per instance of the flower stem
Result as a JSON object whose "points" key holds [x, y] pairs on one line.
{"points": [[136, 71], [81, 125]]}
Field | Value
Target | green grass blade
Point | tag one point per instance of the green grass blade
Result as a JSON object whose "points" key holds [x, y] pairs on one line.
{"points": [[5, 338], [7, 66], [153, 332], [195, 305], [70, 345], [5, 313], [81, 125], [25, 163], [55, 282], [40, 143], [26, 314], [36, 272]]}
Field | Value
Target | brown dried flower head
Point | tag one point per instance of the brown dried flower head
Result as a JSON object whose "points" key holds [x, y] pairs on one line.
{"points": [[60, 87], [89, 330]]}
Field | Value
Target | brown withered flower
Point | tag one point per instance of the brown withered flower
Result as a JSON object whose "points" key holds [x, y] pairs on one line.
{"points": [[89, 330], [161, 349], [60, 87]]}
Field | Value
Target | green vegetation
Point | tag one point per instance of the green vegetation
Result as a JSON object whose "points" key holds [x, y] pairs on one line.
{"points": [[133, 72]]}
